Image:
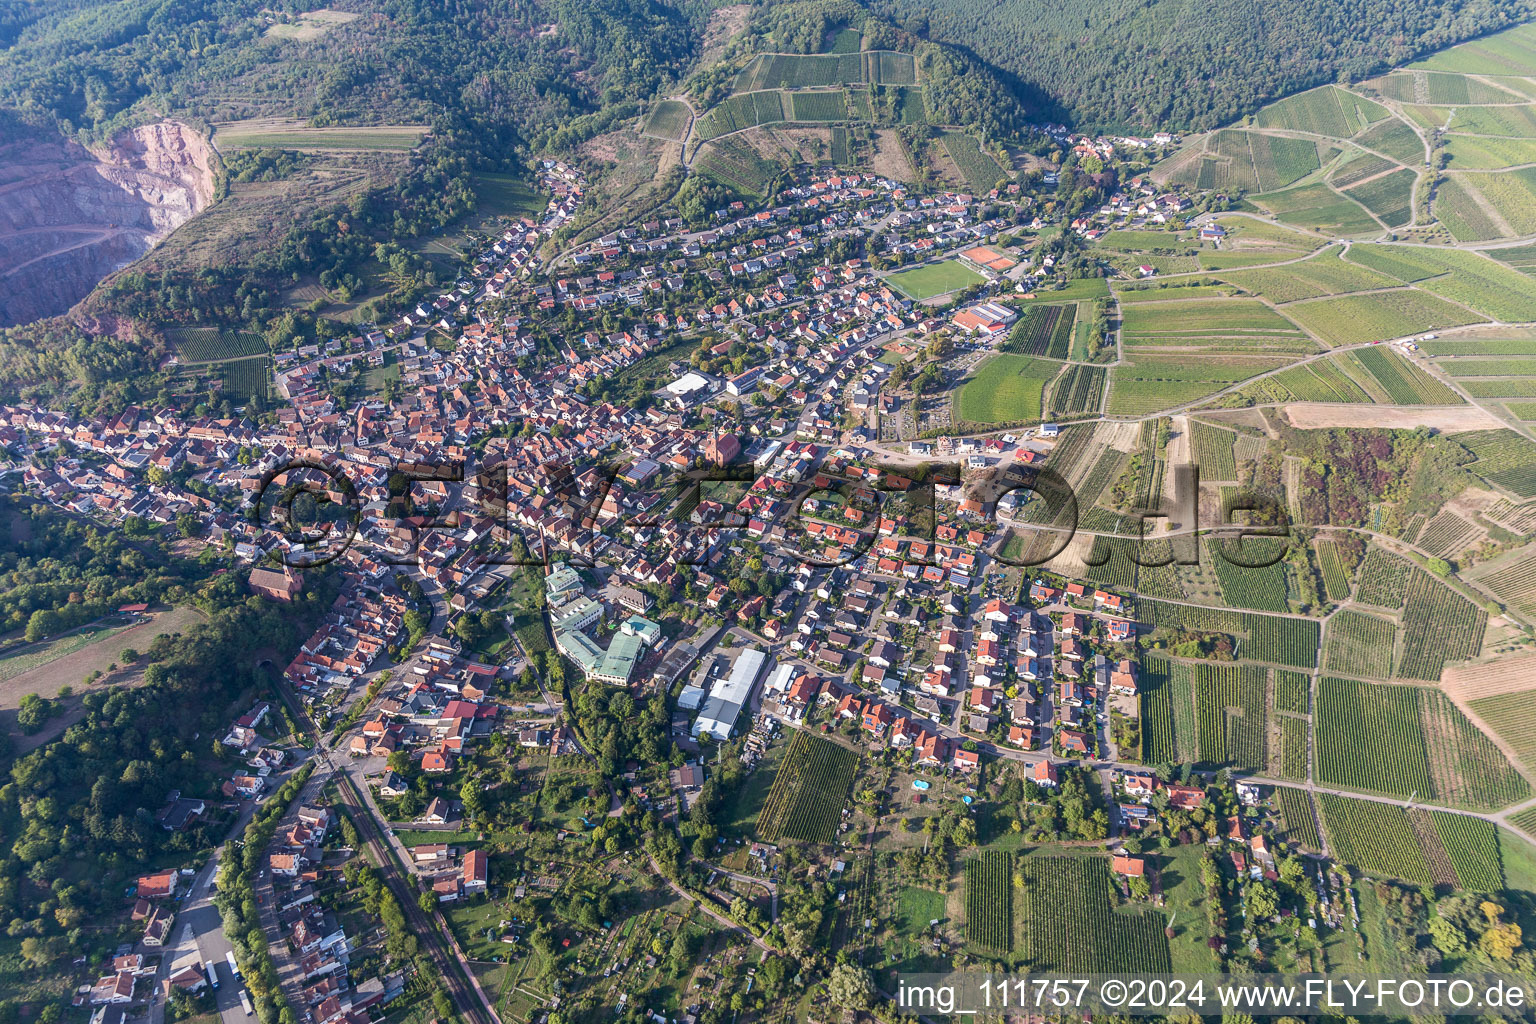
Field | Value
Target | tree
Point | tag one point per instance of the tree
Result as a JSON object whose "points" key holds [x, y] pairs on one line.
{"points": [[1262, 901], [1448, 938], [34, 712], [43, 622], [851, 986]]}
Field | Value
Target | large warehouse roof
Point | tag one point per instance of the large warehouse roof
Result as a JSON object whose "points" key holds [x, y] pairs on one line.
{"points": [[730, 695]]}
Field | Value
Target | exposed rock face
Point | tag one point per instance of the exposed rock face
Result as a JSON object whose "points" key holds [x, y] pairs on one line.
{"points": [[70, 216]]}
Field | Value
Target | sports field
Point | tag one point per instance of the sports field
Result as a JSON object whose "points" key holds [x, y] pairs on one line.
{"points": [[934, 279]]}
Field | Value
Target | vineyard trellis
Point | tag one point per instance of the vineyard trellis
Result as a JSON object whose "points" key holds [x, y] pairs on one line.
{"points": [[1374, 837], [1300, 822], [1275, 639], [807, 796], [1230, 706], [1472, 845], [1293, 747], [1439, 626], [1292, 691], [1369, 737], [1069, 921], [989, 901]]}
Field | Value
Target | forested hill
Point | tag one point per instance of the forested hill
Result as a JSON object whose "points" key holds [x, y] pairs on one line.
{"points": [[508, 66], [1190, 65]]}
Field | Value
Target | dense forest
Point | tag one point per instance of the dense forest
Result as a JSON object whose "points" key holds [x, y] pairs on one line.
{"points": [[1172, 64], [98, 67]]}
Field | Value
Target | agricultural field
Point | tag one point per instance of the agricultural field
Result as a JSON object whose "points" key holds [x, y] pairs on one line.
{"points": [[1261, 588], [1403, 382], [1278, 160], [800, 71], [1378, 316], [1512, 194], [1383, 579], [1318, 381], [212, 344], [1318, 208], [1448, 534], [744, 110], [1230, 712], [737, 165], [847, 40], [1045, 329], [505, 195], [1327, 273], [1069, 921], [1396, 139], [989, 901], [1469, 278], [1005, 389], [1359, 645], [1167, 289], [294, 134], [1389, 197], [1512, 716], [1217, 160], [1212, 451], [1167, 712], [911, 107], [1300, 820], [977, 166], [1075, 289], [933, 279], [1146, 240], [809, 790], [888, 67], [1511, 578], [1490, 367], [1439, 626], [1481, 152], [1510, 121], [1243, 321], [237, 379], [1370, 737], [819, 106], [1079, 391], [1504, 458], [1459, 207], [1402, 740], [668, 120], [1147, 383], [1374, 837], [1512, 52], [1335, 573], [1521, 257], [1516, 343], [1273, 639], [1326, 111], [1293, 747], [1293, 691], [1472, 845], [1249, 237]]}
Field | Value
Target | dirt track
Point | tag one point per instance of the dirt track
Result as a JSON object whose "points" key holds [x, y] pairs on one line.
{"points": [[72, 668], [1318, 415]]}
